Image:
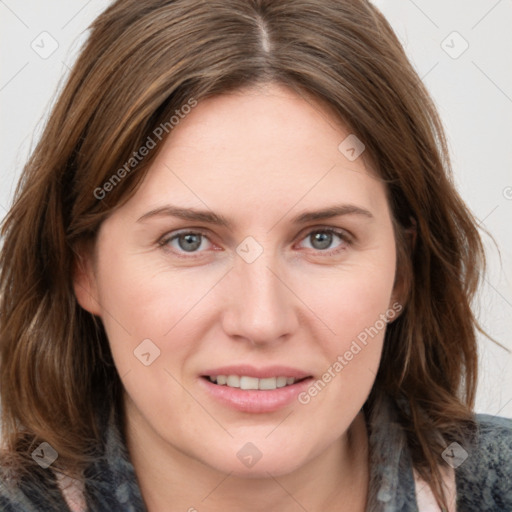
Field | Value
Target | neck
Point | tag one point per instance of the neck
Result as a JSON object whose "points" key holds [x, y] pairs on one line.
{"points": [[337, 479]]}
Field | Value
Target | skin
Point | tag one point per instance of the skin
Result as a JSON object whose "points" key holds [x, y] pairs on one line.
{"points": [[259, 157]]}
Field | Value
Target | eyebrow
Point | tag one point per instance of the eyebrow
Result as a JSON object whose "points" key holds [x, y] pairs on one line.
{"points": [[209, 217]]}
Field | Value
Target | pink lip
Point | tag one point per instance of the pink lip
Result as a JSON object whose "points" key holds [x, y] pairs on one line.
{"points": [[260, 373], [252, 400]]}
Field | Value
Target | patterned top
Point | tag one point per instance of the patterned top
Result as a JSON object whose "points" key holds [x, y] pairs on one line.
{"points": [[480, 473]]}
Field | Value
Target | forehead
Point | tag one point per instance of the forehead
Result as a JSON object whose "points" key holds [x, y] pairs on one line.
{"points": [[259, 147], [273, 119]]}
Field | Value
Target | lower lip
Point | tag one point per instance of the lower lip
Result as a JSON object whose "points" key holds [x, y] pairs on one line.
{"points": [[254, 400]]}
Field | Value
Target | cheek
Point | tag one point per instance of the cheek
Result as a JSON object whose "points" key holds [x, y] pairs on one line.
{"points": [[148, 314], [353, 300], [355, 308], [142, 300], [353, 304]]}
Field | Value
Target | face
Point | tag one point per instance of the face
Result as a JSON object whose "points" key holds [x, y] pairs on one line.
{"points": [[282, 306]]}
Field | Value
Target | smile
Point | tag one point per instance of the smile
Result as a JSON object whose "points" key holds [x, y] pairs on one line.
{"points": [[245, 382], [254, 390]]}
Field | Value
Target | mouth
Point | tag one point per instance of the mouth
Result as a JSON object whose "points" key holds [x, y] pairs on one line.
{"points": [[250, 390]]}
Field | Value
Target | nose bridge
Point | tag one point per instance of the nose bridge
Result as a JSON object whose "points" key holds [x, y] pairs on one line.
{"points": [[261, 307]]}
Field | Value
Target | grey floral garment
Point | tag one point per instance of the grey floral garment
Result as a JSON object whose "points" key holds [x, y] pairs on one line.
{"points": [[483, 480]]}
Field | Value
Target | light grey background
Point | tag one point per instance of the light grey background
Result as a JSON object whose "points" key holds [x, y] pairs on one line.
{"points": [[472, 88]]}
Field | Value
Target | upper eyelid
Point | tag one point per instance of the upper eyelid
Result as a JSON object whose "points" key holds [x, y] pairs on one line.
{"points": [[185, 231], [172, 235]]}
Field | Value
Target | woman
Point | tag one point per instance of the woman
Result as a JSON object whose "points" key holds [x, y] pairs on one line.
{"points": [[237, 276]]}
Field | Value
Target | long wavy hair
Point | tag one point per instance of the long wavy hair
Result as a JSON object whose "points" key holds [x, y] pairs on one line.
{"points": [[143, 61]]}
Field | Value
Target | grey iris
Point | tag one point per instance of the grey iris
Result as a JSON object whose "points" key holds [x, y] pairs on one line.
{"points": [[192, 241], [323, 238]]}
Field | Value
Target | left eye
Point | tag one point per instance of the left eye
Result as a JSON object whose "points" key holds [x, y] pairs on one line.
{"points": [[322, 240]]}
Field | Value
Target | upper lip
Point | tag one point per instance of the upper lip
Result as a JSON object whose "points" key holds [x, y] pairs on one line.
{"points": [[260, 373]]}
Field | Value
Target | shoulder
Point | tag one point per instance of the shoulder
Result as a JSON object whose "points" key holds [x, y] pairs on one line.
{"points": [[483, 467], [493, 443]]}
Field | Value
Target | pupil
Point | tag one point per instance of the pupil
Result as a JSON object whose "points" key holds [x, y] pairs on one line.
{"points": [[192, 242], [324, 240]]}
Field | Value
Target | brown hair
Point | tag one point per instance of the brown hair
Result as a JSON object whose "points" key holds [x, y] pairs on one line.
{"points": [[144, 60]]}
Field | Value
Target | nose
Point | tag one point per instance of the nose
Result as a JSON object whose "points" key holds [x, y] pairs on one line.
{"points": [[262, 307]]}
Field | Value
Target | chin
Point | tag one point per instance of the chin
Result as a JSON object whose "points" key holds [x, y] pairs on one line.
{"points": [[248, 461]]}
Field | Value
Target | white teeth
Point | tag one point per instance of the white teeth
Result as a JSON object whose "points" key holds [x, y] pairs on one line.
{"points": [[281, 382], [269, 383], [233, 381], [245, 382], [249, 382]]}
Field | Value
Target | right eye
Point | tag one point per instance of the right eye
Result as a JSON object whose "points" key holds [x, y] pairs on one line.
{"points": [[184, 242]]}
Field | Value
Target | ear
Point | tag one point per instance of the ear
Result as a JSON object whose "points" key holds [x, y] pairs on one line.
{"points": [[84, 279], [404, 269]]}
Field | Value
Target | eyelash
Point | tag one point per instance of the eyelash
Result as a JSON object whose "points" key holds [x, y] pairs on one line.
{"points": [[342, 234]]}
